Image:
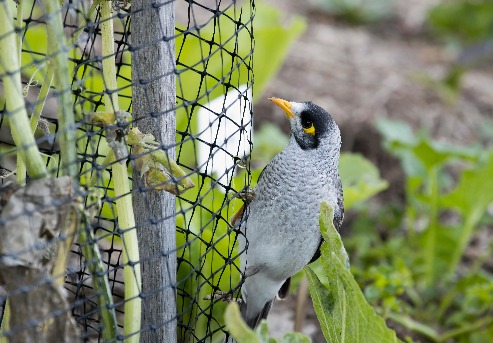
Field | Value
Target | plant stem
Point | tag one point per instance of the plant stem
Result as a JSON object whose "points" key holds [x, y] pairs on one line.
{"points": [[58, 52], [20, 171], [5, 324], [470, 221], [415, 326], [126, 218], [14, 100], [431, 241], [92, 255], [43, 94], [476, 326], [21, 166], [83, 23]]}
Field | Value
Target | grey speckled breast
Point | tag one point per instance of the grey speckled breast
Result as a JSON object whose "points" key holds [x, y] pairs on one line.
{"points": [[286, 207]]}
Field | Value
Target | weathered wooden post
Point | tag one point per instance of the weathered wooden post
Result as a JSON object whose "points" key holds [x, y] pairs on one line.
{"points": [[153, 108]]}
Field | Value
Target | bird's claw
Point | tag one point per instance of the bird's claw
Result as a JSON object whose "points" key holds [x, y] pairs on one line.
{"points": [[224, 296], [247, 195]]}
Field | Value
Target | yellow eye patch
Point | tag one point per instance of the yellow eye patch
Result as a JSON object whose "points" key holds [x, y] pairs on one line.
{"points": [[309, 129]]}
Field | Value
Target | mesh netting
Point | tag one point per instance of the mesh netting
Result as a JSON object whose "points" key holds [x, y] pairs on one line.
{"points": [[77, 262]]}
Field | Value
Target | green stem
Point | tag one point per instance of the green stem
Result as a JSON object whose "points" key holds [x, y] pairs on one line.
{"points": [[126, 218], [5, 325], [20, 170], [20, 6], [21, 166], [476, 326], [14, 100], [83, 23], [42, 96], [410, 214], [59, 58], [414, 326], [100, 282], [470, 222], [431, 242]]}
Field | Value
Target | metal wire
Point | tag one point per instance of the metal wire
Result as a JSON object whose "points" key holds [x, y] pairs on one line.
{"points": [[214, 75]]}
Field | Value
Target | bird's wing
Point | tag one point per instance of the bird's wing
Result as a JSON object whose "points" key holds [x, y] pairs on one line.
{"points": [[337, 221]]}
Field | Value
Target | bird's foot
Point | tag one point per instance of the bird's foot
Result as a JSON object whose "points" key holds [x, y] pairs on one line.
{"points": [[224, 296], [247, 195]]}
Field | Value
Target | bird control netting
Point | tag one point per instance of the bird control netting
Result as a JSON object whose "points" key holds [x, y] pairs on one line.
{"points": [[124, 131]]}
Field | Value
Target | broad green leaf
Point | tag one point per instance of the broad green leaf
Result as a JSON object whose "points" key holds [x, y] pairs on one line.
{"points": [[273, 38], [343, 312], [474, 191], [360, 179], [471, 198], [396, 131]]}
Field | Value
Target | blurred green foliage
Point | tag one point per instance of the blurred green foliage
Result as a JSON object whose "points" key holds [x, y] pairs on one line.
{"points": [[462, 21], [357, 11], [466, 26], [410, 259], [360, 179]]}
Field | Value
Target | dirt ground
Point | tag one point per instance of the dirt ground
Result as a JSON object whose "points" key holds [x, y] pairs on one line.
{"points": [[360, 74]]}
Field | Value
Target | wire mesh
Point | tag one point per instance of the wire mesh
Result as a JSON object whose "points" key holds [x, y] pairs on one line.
{"points": [[211, 53]]}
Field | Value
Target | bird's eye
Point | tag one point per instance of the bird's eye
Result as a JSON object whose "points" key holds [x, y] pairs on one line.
{"points": [[308, 126]]}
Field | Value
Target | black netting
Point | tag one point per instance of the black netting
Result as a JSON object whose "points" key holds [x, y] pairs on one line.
{"points": [[173, 83]]}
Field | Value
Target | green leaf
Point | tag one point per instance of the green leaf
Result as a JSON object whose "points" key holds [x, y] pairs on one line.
{"points": [[294, 338], [273, 38], [240, 331], [237, 328], [462, 21], [471, 198], [360, 179], [474, 191], [343, 312]]}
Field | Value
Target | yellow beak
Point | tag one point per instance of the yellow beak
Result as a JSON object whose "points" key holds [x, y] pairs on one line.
{"points": [[285, 105]]}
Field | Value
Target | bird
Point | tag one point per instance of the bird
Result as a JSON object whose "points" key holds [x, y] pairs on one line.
{"points": [[279, 232]]}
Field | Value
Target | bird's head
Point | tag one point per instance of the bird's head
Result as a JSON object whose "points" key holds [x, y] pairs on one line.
{"points": [[311, 126]]}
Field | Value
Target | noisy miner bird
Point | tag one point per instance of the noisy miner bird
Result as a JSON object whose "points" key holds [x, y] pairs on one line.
{"points": [[280, 234]]}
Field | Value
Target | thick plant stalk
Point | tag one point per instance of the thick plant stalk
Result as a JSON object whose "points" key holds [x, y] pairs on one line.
{"points": [[59, 62], [126, 218], [100, 282], [16, 111], [4, 325], [58, 52], [42, 96], [21, 166]]}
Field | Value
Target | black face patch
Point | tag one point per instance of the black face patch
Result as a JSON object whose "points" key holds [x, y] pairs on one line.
{"points": [[313, 119]]}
